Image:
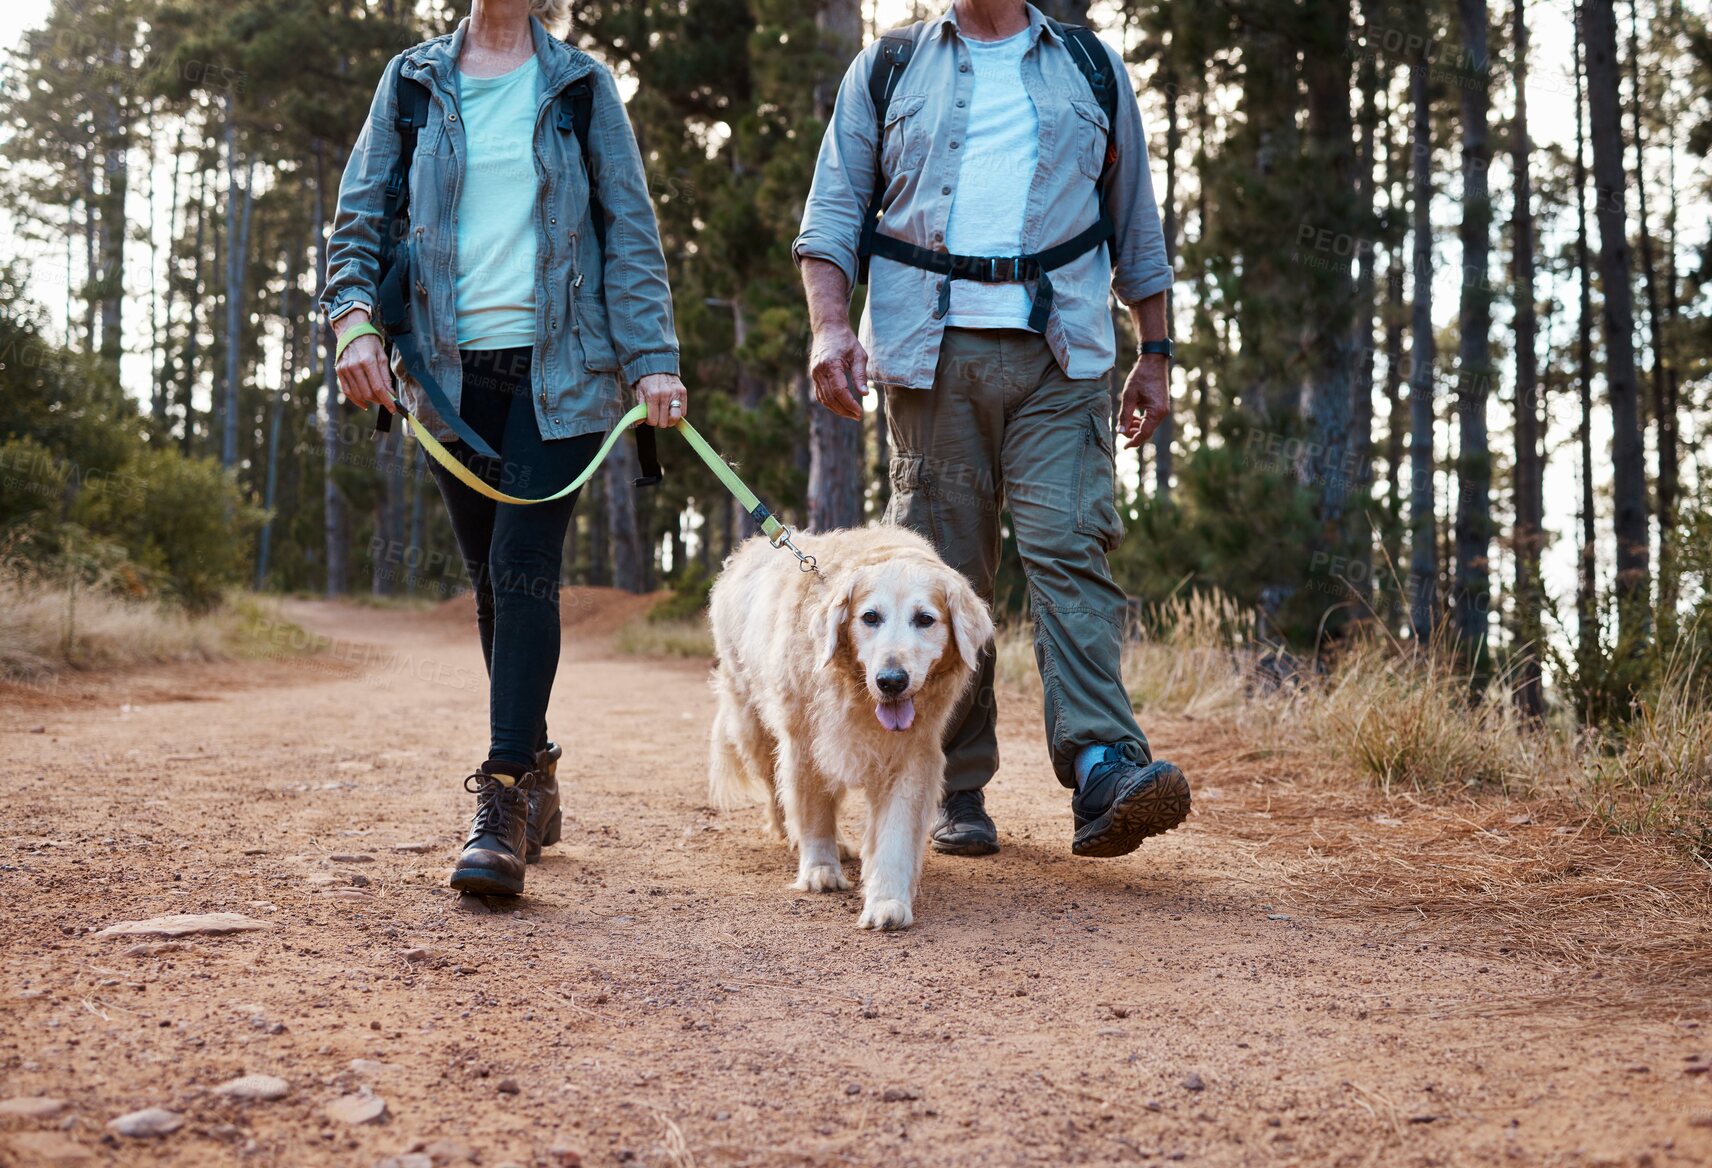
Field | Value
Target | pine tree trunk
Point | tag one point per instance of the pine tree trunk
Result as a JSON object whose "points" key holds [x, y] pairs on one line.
{"points": [[1330, 150], [1587, 580], [1360, 461], [287, 379], [1471, 590], [193, 340], [1423, 552], [1529, 471], [332, 501], [1628, 486], [835, 444], [1663, 408], [629, 564], [1163, 436], [110, 232], [239, 205], [1396, 407]]}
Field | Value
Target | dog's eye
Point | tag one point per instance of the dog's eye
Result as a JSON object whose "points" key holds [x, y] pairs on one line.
{"points": [[870, 618], [923, 619]]}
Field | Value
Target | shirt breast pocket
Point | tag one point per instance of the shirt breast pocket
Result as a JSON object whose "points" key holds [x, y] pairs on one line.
{"points": [[904, 138], [1091, 132]]}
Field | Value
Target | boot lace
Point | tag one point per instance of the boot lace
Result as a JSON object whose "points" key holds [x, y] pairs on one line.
{"points": [[494, 802]]}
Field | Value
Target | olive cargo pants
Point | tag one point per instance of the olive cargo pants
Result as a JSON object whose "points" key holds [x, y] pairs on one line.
{"points": [[1003, 426]]}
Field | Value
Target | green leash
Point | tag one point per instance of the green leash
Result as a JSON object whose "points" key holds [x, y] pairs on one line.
{"points": [[777, 533]]}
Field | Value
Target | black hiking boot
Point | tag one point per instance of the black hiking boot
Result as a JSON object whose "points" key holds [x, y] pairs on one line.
{"points": [[964, 827], [1124, 802], [544, 814], [492, 862]]}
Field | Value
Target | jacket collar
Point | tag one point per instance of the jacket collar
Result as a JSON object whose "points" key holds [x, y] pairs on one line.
{"points": [[1038, 25], [436, 61]]}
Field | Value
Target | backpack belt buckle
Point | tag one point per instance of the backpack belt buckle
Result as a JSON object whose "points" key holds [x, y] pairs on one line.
{"points": [[1003, 269]]}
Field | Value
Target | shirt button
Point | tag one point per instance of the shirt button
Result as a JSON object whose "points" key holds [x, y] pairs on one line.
{"points": [[961, 103], [954, 145], [945, 190], [451, 117], [964, 68], [553, 220]]}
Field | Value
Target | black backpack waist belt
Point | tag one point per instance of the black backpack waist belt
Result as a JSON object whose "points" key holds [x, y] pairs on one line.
{"points": [[996, 269]]}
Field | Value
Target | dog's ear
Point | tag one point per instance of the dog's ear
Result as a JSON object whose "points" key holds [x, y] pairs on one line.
{"points": [[971, 623], [829, 622]]}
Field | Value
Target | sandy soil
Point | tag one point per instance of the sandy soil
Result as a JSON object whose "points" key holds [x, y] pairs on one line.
{"points": [[661, 997]]}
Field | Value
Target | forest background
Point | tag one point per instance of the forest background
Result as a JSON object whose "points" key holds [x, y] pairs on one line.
{"points": [[1442, 316]]}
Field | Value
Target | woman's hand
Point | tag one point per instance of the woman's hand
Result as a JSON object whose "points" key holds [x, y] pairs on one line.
{"points": [[664, 395], [363, 374]]}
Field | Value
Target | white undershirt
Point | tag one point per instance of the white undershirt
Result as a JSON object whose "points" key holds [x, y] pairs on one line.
{"points": [[1000, 151]]}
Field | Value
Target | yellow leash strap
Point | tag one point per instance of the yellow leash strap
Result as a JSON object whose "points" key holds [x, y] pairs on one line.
{"points": [[776, 532], [475, 482]]}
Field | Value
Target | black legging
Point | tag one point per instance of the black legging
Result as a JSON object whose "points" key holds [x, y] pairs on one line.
{"points": [[513, 553]]}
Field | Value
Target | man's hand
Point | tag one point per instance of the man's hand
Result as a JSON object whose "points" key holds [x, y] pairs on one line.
{"points": [[1146, 399], [363, 375], [838, 365], [661, 392]]}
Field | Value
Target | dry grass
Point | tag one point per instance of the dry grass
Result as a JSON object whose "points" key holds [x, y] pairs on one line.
{"points": [[1384, 793], [689, 639], [1407, 723], [47, 628]]}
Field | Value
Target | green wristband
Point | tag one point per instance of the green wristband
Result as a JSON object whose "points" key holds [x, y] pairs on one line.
{"points": [[360, 330]]}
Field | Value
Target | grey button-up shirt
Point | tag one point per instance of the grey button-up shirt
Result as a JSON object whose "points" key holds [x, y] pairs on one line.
{"points": [[917, 157]]}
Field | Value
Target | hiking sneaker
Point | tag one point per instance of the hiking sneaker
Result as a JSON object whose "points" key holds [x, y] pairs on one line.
{"points": [[964, 827], [492, 862], [544, 814], [1123, 802]]}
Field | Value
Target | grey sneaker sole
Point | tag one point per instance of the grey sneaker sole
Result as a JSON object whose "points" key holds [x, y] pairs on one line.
{"points": [[1152, 808]]}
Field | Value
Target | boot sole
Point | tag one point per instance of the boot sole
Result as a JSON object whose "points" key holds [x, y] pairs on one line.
{"points": [[486, 882], [1150, 810], [549, 837], [966, 847]]}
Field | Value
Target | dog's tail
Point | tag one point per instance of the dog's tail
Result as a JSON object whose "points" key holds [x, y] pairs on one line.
{"points": [[738, 766]]}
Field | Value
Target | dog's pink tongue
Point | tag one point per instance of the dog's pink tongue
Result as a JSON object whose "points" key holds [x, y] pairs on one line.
{"points": [[896, 715]]}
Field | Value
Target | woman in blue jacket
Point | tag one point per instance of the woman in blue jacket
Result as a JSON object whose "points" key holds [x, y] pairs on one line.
{"points": [[533, 320]]}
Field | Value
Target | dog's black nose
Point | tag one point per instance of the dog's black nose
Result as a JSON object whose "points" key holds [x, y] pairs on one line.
{"points": [[892, 682]]}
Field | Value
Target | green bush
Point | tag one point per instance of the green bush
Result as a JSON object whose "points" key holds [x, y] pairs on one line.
{"points": [[183, 520]]}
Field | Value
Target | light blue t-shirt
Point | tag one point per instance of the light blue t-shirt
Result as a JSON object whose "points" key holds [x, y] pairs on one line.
{"points": [[1000, 151], [496, 209]]}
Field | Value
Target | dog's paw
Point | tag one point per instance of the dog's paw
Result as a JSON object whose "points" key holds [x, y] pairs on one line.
{"points": [[822, 878], [885, 915]]}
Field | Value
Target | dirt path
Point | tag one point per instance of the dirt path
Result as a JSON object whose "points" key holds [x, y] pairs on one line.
{"points": [[660, 996]]}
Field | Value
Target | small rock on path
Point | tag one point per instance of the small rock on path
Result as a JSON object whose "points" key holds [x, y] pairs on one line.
{"points": [[32, 1107], [151, 1121], [357, 1109], [254, 1088], [180, 924]]}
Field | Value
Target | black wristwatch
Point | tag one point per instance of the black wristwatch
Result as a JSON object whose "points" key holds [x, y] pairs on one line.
{"points": [[1164, 348]]}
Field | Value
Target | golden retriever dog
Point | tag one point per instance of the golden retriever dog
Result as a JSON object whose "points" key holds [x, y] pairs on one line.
{"points": [[841, 682]]}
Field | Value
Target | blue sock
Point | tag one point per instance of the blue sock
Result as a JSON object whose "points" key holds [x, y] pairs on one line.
{"points": [[1090, 757]]}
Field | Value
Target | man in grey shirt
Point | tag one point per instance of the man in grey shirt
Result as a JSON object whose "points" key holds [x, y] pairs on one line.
{"points": [[1007, 165]]}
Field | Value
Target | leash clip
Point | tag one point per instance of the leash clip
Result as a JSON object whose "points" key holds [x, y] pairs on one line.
{"points": [[805, 562]]}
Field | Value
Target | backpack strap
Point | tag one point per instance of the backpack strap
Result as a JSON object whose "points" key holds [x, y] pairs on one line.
{"points": [[576, 115], [1096, 67], [393, 292], [896, 49]]}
